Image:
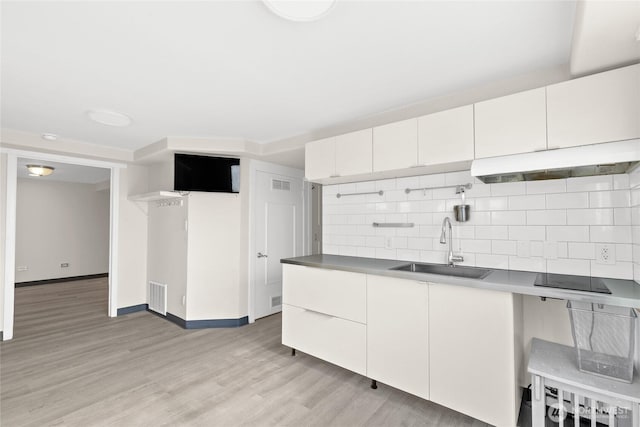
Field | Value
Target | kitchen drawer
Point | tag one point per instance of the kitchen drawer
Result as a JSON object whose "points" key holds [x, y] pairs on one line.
{"points": [[339, 341], [337, 293]]}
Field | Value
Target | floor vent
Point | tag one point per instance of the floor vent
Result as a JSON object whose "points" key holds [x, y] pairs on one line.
{"points": [[277, 184], [276, 301], [158, 297]]}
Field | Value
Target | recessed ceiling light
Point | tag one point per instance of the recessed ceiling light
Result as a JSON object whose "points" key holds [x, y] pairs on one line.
{"points": [[300, 10], [40, 170], [49, 136], [109, 118]]}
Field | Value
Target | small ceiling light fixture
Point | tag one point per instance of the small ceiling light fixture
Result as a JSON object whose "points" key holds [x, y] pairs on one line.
{"points": [[109, 118], [49, 136], [40, 170], [300, 10]]}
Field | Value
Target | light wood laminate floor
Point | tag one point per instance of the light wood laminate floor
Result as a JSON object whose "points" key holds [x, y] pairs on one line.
{"points": [[69, 364]]}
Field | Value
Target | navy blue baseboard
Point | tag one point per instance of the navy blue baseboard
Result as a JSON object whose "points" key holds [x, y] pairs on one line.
{"points": [[132, 309], [204, 324], [61, 279], [1, 336]]}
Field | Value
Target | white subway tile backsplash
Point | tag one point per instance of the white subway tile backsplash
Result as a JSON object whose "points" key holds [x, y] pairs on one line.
{"points": [[537, 248], [366, 252], [493, 261], [543, 187], [619, 270], [527, 202], [609, 199], [624, 252], [590, 183], [538, 265], [590, 216], [574, 233], [578, 267], [508, 218], [504, 247], [527, 232], [546, 217], [492, 232], [533, 226], [582, 250], [508, 189], [408, 255], [491, 204], [476, 246], [567, 201], [622, 216], [419, 243], [610, 234], [621, 181]]}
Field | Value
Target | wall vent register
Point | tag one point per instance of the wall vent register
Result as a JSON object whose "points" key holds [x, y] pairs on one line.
{"points": [[576, 283], [277, 184]]}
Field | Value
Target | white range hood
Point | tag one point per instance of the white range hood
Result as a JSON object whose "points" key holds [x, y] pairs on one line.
{"points": [[587, 160]]}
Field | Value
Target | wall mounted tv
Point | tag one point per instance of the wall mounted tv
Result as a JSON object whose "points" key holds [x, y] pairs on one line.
{"points": [[204, 173]]}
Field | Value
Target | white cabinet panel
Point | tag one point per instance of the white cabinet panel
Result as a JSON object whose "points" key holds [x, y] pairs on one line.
{"points": [[603, 107], [472, 352], [320, 159], [511, 124], [395, 146], [335, 340], [354, 153], [337, 293], [398, 333], [446, 137]]}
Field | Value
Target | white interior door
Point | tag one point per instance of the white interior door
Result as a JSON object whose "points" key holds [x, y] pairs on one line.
{"points": [[278, 231]]}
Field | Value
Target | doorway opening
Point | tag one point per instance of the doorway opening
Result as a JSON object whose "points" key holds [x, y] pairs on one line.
{"points": [[10, 262], [62, 243]]}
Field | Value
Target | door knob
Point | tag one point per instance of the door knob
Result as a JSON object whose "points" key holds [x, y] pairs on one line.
{"points": [[261, 255]]}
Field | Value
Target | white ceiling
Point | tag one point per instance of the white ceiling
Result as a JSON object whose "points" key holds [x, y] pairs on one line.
{"points": [[232, 69], [65, 172]]}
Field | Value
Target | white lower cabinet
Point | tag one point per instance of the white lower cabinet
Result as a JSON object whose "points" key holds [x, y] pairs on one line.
{"points": [[455, 345], [398, 333], [330, 338], [474, 358]]}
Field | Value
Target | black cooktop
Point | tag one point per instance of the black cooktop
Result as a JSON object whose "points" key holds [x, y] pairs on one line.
{"points": [[576, 283]]}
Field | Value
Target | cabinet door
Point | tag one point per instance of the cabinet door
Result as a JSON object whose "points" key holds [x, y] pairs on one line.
{"points": [[446, 137], [398, 333], [603, 107], [511, 124], [472, 352], [395, 146], [354, 153], [320, 159]]}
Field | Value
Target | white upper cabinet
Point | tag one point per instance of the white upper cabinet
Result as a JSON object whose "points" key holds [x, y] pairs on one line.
{"points": [[395, 146], [446, 137], [354, 153], [511, 124], [602, 107], [320, 159], [343, 155]]}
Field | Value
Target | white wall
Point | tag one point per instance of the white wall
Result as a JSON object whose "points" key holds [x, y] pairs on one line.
{"points": [[167, 250], [213, 262], [132, 239], [60, 222], [548, 226], [3, 192]]}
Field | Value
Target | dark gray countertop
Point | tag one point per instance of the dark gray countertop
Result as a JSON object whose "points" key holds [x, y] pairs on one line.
{"points": [[624, 293]]}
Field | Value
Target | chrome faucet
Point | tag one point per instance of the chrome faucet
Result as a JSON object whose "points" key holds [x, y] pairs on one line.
{"points": [[451, 258]]}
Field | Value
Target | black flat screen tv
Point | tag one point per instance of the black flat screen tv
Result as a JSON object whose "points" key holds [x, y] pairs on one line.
{"points": [[205, 173]]}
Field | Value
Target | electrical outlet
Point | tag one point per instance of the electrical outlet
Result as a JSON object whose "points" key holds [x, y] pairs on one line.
{"points": [[184, 300], [22, 268], [64, 265], [388, 242], [605, 253]]}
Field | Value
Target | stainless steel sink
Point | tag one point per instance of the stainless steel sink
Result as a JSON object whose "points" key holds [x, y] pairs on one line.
{"points": [[445, 270]]}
